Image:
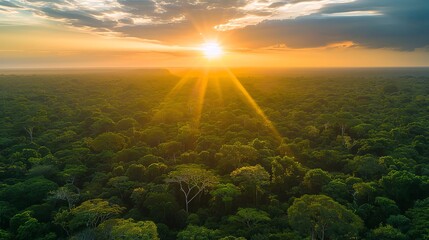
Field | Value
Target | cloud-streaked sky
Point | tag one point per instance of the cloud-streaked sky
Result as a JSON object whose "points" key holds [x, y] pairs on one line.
{"points": [[281, 33]]}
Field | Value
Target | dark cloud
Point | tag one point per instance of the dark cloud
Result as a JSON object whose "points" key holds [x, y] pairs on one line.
{"points": [[8, 4], [139, 7], [78, 19], [128, 21], [164, 11], [298, 1], [277, 4], [46, 1], [180, 21], [172, 33], [402, 25]]}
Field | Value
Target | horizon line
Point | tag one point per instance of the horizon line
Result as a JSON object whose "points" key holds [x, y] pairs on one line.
{"points": [[214, 67]]}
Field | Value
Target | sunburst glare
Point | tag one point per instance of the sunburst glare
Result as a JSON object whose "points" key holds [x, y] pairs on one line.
{"points": [[197, 99], [212, 50], [253, 104]]}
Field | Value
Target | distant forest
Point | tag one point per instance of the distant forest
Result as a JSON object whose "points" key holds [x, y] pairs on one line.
{"points": [[135, 155]]}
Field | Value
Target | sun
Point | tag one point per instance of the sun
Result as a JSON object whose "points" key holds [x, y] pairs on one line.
{"points": [[212, 50]]}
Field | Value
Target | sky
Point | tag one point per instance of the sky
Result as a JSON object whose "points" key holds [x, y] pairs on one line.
{"points": [[252, 33]]}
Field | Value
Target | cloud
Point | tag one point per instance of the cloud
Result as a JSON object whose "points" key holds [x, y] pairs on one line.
{"points": [[8, 4], [277, 4], [78, 18], [402, 25], [398, 24]]}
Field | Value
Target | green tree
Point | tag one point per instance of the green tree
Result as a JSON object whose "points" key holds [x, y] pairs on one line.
{"points": [[235, 155], [66, 193], [121, 186], [385, 207], [108, 142], [153, 136], [63, 218], [19, 219], [33, 229], [193, 232], [402, 186], [155, 171], [7, 210], [27, 227], [73, 172], [127, 229], [232, 238], [5, 235], [250, 217], [170, 149], [419, 216], [315, 179], [102, 124], [125, 124], [136, 172], [149, 159], [161, 205], [386, 233], [320, 217], [91, 213], [367, 167], [251, 179], [138, 195], [400, 222], [193, 180], [364, 192], [188, 136], [26, 193], [287, 172], [225, 193], [338, 190]]}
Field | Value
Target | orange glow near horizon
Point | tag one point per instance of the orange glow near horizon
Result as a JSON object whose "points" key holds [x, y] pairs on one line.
{"points": [[54, 47]]}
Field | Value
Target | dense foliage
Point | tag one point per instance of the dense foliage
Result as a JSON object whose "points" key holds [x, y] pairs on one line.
{"points": [[123, 156]]}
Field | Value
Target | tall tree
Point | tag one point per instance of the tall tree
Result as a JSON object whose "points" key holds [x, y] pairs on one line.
{"points": [[68, 193], [89, 214], [192, 180]]}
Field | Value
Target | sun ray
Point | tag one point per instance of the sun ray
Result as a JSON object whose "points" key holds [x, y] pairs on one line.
{"points": [[169, 98], [179, 85], [201, 87], [216, 83], [253, 104]]}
